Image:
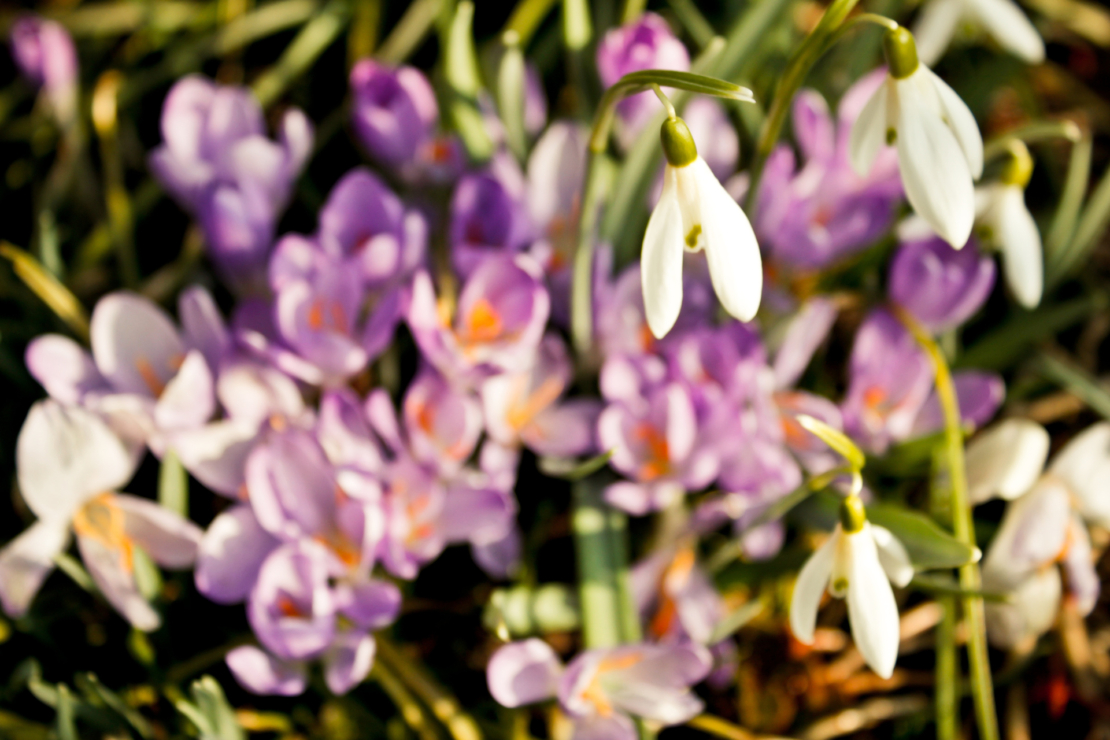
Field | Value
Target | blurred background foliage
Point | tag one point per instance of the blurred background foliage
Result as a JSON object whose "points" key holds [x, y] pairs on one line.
{"points": [[83, 203]]}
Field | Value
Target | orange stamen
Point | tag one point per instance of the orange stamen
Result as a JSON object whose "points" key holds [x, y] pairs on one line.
{"points": [[288, 607], [659, 456], [483, 323], [521, 413], [149, 376], [102, 520]]}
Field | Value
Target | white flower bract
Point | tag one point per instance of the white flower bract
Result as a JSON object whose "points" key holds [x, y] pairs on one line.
{"points": [[1001, 19], [694, 213]]}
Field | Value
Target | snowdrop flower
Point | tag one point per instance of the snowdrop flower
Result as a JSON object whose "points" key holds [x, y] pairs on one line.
{"points": [[69, 465], [858, 562], [695, 213], [1005, 223], [1001, 19], [940, 151]]}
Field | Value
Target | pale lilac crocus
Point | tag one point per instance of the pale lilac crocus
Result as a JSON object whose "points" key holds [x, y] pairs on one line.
{"points": [[149, 380], [394, 111], [674, 595], [44, 52], [656, 447], [645, 43], [69, 465], [497, 324], [890, 379], [527, 408], [825, 211], [603, 689], [940, 286], [489, 214], [217, 162]]}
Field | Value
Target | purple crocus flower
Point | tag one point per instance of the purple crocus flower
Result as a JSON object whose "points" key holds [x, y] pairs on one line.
{"points": [[525, 407], [442, 423], [69, 465], [603, 689], [149, 380], [825, 211], [656, 446], [394, 111], [646, 43], [44, 52], [498, 323], [674, 595], [217, 163], [940, 286], [489, 214], [890, 379]]}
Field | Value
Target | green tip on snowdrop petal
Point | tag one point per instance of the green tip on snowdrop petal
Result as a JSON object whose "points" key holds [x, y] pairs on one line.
{"points": [[900, 51], [678, 142]]}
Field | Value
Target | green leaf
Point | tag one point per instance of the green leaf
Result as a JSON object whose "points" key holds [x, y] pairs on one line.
{"points": [[65, 721], [210, 712], [173, 485], [1062, 230], [460, 60], [1092, 224], [737, 618], [510, 94], [471, 129], [1076, 381], [947, 585], [47, 287], [92, 685], [14, 727], [402, 41], [928, 545], [148, 578], [316, 36], [573, 470], [835, 439], [577, 27]]}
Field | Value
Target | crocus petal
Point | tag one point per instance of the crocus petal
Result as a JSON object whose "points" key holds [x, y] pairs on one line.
{"points": [[1084, 465], [1005, 21], [261, 673], [1006, 460], [216, 454], [523, 673], [1020, 241], [869, 132], [189, 399], [958, 117], [805, 333], [1029, 611], [934, 28], [735, 266], [202, 324], [169, 540], [872, 612], [63, 368], [26, 561], [111, 569], [892, 556], [808, 590], [661, 261], [136, 346], [1082, 578], [934, 169], [230, 554], [370, 604], [66, 455], [348, 661]]}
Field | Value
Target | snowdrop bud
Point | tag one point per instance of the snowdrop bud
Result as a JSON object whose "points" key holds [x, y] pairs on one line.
{"points": [[678, 143], [900, 51], [852, 514]]}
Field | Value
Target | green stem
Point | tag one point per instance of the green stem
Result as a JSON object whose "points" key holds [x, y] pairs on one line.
{"points": [[410, 31], [598, 566], [947, 699], [803, 60], [981, 684], [444, 706], [316, 36], [527, 17]]}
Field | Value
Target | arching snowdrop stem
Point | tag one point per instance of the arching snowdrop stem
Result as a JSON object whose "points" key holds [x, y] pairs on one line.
{"points": [[970, 580]]}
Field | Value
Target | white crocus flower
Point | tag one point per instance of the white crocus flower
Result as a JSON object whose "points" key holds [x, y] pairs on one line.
{"points": [[69, 465], [1006, 224], [859, 562], [940, 150], [1001, 19], [695, 212]]}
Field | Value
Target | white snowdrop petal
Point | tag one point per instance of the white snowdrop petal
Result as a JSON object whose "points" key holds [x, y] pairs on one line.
{"points": [[1017, 235], [869, 131], [735, 266], [809, 588], [893, 557], [1006, 460], [934, 171], [934, 28], [960, 120], [872, 612], [661, 261], [1009, 26]]}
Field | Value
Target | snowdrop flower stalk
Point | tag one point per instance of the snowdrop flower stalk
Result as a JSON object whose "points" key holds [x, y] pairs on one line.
{"points": [[1005, 223], [858, 562], [695, 213], [940, 150]]}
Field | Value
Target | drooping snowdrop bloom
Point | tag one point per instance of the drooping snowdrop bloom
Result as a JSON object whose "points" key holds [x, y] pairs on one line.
{"points": [[858, 562], [1001, 19], [46, 57], [1044, 524], [940, 150], [1004, 222], [696, 213], [69, 465], [603, 689]]}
